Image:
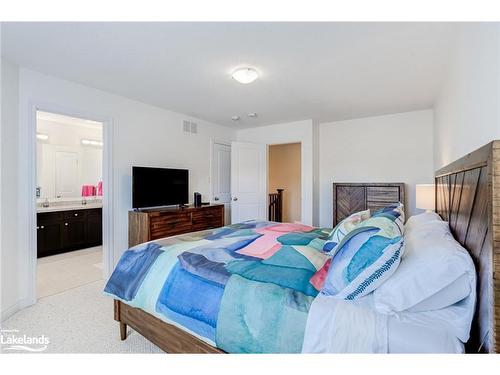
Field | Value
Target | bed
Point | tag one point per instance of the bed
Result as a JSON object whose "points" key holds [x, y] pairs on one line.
{"points": [[464, 197], [201, 300]]}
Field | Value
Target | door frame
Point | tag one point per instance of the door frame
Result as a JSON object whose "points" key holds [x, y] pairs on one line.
{"points": [[301, 173], [30, 213], [213, 141]]}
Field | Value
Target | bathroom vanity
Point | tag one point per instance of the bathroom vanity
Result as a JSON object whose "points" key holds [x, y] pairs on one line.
{"points": [[68, 227]]}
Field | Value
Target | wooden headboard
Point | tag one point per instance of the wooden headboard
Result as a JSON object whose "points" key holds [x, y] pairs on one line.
{"points": [[468, 197], [353, 197]]}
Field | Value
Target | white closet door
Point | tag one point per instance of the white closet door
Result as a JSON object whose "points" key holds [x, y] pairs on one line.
{"points": [[221, 178], [248, 181]]}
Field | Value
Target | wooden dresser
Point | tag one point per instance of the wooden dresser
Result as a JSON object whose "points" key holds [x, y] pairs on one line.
{"points": [[151, 224], [352, 197]]}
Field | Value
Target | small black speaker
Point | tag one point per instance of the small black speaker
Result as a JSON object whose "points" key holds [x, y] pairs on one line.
{"points": [[197, 199]]}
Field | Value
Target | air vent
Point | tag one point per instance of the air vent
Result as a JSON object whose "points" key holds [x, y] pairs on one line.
{"points": [[189, 127]]}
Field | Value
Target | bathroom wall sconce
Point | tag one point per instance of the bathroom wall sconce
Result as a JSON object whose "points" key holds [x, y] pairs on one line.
{"points": [[42, 137], [92, 142]]}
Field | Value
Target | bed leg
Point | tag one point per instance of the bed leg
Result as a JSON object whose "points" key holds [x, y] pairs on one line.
{"points": [[123, 331]]}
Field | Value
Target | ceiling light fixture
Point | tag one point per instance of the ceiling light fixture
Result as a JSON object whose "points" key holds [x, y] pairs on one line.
{"points": [[252, 114], [235, 118], [245, 75]]}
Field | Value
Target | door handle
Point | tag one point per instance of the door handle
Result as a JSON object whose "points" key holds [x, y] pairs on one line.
{"points": [[216, 198], [235, 199]]}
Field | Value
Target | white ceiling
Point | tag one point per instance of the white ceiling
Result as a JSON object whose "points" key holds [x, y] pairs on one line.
{"points": [[323, 71]]}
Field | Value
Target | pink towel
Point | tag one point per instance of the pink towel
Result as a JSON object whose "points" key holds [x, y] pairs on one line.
{"points": [[88, 191], [99, 188]]}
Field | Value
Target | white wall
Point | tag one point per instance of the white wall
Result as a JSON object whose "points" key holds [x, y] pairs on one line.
{"points": [[9, 258], [290, 132], [467, 111], [142, 135], [393, 148]]}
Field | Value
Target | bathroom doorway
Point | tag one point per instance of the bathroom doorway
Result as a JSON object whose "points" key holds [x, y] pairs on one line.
{"points": [[69, 193]]}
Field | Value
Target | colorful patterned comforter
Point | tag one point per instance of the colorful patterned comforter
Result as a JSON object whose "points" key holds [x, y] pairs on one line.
{"points": [[243, 288]]}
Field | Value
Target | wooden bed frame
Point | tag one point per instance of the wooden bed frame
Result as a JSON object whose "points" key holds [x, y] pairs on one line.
{"points": [[467, 196], [166, 336]]}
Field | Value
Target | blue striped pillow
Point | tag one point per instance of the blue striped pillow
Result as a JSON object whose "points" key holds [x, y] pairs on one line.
{"points": [[342, 229], [395, 212], [364, 259]]}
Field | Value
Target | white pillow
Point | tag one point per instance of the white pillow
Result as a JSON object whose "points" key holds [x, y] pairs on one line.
{"points": [[432, 261], [426, 217], [449, 295]]}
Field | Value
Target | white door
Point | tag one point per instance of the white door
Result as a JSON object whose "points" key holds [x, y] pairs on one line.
{"points": [[67, 174], [221, 178], [248, 182]]}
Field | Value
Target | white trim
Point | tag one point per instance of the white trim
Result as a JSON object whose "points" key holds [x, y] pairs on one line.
{"points": [[107, 202], [1, 200], [303, 179], [30, 208], [291, 132], [213, 141], [8, 312]]}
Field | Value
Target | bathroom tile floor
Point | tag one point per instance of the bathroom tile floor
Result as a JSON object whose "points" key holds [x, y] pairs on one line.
{"points": [[58, 273]]}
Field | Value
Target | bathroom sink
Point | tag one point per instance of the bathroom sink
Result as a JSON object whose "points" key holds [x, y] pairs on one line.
{"points": [[68, 206]]}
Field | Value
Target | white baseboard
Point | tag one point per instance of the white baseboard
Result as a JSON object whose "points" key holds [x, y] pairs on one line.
{"points": [[8, 312]]}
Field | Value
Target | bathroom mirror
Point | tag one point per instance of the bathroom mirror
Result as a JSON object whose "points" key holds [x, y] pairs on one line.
{"points": [[69, 158]]}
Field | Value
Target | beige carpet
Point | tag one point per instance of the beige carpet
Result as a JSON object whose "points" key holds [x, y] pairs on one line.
{"points": [[58, 273], [79, 320]]}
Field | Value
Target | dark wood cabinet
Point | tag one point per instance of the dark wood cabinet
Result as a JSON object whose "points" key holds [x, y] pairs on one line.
{"points": [[73, 234], [63, 231], [49, 238], [94, 226], [147, 225]]}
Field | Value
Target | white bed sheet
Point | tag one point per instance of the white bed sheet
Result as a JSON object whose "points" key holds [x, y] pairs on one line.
{"points": [[338, 326], [404, 337]]}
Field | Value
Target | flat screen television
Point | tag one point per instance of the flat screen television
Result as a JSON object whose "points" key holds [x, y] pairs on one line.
{"points": [[154, 187]]}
